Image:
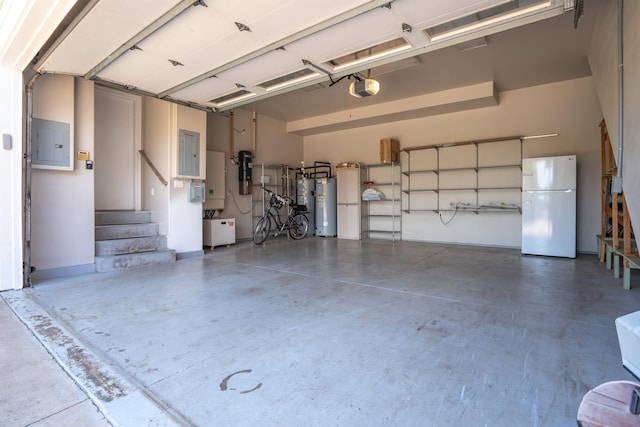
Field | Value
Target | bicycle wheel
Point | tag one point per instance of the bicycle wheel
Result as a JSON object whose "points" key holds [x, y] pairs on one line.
{"points": [[262, 230], [298, 226]]}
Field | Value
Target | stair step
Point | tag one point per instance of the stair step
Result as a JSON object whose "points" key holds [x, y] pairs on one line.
{"points": [[110, 232], [107, 263], [122, 217], [130, 246]]}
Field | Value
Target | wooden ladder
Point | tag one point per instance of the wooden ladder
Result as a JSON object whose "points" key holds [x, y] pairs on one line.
{"points": [[616, 228]]}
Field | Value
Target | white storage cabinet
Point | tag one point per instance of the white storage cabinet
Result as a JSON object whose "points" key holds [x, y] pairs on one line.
{"points": [[219, 232]]}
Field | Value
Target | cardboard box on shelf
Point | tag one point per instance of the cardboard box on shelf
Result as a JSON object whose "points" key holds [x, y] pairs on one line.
{"points": [[389, 150]]}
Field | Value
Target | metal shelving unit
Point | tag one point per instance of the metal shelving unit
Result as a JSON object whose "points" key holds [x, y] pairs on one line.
{"points": [[470, 174], [279, 181], [385, 216]]}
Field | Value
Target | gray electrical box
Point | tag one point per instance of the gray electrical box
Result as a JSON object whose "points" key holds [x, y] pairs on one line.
{"points": [[6, 141], [196, 191], [51, 143], [188, 153]]}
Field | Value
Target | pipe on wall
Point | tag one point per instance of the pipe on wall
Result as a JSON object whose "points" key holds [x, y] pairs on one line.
{"points": [[26, 263], [253, 124], [617, 181], [231, 139]]}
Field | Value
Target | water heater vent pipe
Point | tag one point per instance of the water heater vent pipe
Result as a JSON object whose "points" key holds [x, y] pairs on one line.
{"points": [[616, 185], [231, 140]]}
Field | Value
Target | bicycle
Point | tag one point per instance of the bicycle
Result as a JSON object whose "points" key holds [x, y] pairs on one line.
{"points": [[297, 222]]}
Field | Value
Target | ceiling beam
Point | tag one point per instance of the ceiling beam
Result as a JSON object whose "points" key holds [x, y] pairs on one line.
{"points": [[281, 43], [134, 90], [146, 32]]}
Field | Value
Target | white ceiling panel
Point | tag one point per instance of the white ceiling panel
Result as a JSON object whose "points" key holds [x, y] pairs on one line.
{"points": [[181, 44], [106, 27], [266, 67], [145, 71], [204, 38], [422, 14], [363, 31], [273, 64], [205, 90]]}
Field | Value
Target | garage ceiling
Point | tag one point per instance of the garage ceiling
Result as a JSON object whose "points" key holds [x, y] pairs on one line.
{"points": [[219, 55]]}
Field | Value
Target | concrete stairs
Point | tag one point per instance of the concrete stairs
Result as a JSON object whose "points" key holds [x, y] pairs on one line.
{"points": [[127, 239]]}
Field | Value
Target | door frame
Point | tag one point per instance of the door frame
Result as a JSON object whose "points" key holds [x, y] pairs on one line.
{"points": [[137, 136]]}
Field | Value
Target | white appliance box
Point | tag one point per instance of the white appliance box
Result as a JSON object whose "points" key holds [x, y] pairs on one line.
{"points": [[628, 328], [219, 232]]}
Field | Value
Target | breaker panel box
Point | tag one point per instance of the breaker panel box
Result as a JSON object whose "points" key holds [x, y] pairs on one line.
{"points": [[188, 153], [51, 144]]}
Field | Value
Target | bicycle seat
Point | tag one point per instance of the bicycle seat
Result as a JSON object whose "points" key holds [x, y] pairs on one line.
{"points": [[300, 208]]}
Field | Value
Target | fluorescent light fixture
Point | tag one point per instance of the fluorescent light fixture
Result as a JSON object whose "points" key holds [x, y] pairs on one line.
{"points": [[483, 23], [369, 54], [372, 57], [472, 44], [232, 97], [396, 66], [288, 79]]}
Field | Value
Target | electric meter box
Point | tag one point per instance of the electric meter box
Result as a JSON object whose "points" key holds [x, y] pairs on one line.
{"points": [[196, 192]]}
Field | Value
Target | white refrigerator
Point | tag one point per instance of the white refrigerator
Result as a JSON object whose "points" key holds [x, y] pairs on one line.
{"points": [[351, 224], [549, 206]]}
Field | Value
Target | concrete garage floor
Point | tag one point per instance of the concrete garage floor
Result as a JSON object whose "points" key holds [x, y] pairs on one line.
{"points": [[327, 332]]}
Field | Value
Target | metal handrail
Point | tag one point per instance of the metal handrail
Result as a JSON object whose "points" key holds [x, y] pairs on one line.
{"points": [[153, 168]]}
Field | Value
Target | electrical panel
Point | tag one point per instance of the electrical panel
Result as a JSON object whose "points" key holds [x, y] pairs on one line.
{"points": [[188, 153], [51, 144]]}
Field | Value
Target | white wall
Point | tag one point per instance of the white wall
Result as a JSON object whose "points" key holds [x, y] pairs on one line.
{"points": [[179, 219], [11, 180], [603, 59], [62, 212], [569, 108], [185, 218], [274, 146], [631, 170], [156, 137]]}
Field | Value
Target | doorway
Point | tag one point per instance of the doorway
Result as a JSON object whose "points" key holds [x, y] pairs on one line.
{"points": [[118, 137]]}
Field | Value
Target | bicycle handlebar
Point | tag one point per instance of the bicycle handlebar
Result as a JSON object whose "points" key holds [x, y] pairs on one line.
{"points": [[279, 198]]}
